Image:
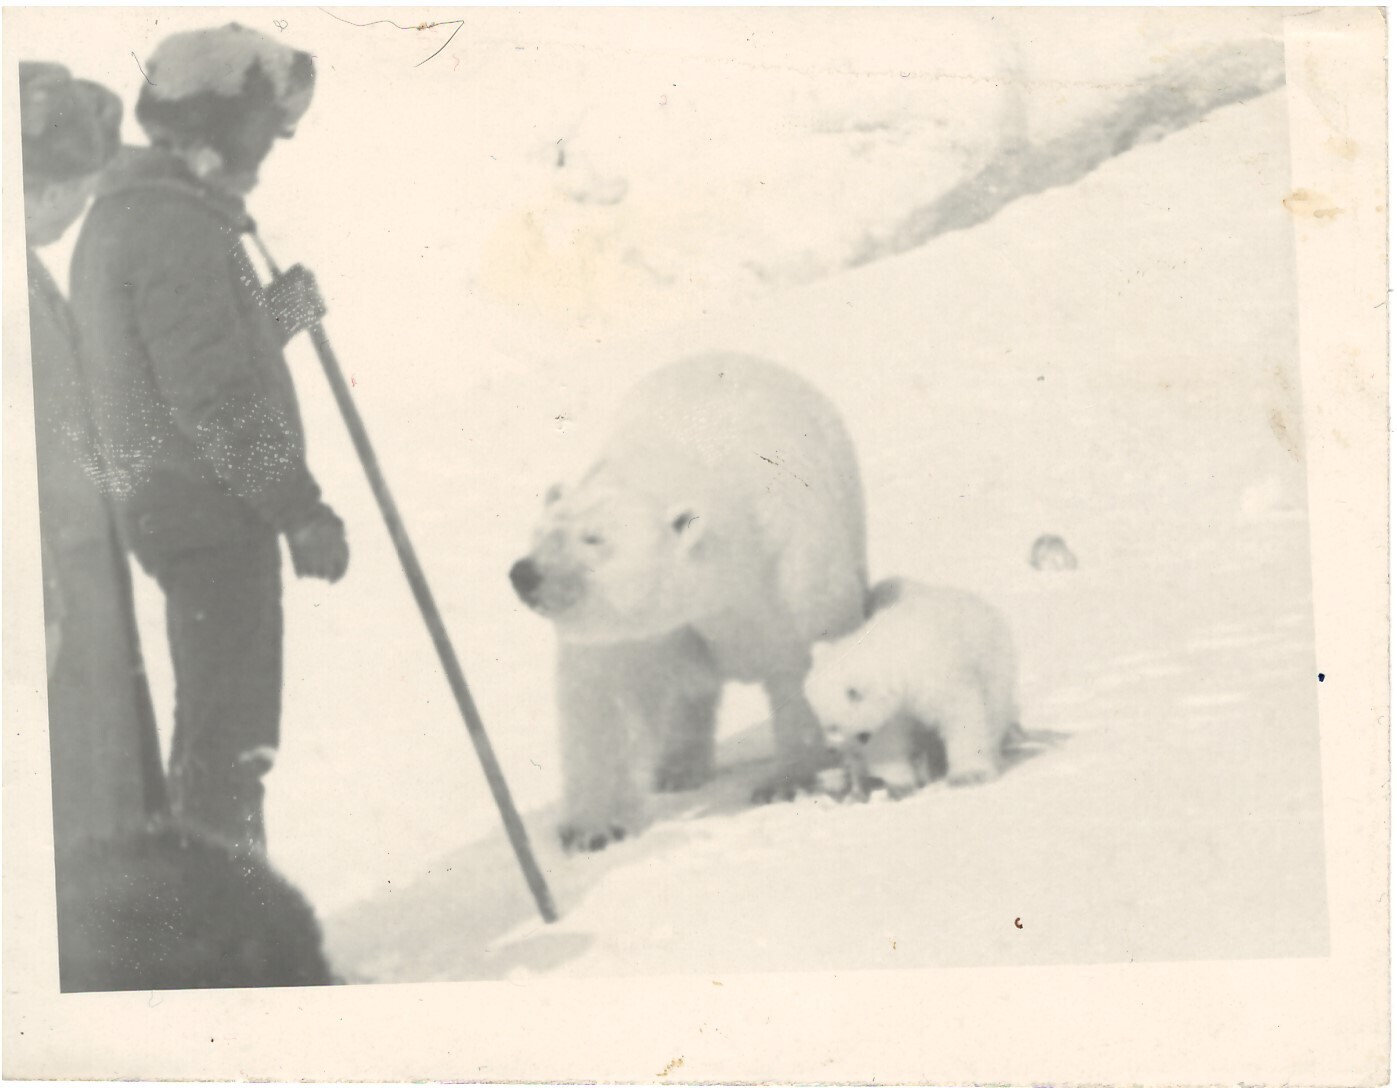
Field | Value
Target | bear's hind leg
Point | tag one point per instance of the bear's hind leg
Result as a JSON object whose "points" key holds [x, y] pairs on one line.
{"points": [[686, 753], [801, 752], [680, 689]]}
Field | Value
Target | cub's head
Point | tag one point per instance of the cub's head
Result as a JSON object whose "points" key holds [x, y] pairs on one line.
{"points": [[847, 691], [609, 564]]}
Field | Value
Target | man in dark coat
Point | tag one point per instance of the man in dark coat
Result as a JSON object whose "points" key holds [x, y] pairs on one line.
{"points": [[104, 749], [196, 403]]}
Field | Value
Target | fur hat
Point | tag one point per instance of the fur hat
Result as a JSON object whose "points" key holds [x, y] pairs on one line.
{"points": [[202, 81], [70, 127]]}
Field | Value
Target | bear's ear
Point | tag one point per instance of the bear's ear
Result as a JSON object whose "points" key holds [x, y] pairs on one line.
{"points": [[686, 525], [553, 494]]}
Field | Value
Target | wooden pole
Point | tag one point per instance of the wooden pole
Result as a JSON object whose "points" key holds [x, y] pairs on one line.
{"points": [[417, 579]]}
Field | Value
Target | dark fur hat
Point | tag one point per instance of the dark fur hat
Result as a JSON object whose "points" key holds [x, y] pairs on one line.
{"points": [[203, 84], [71, 127]]}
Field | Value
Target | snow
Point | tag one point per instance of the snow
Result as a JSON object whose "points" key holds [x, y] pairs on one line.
{"points": [[1113, 361], [1176, 819], [1178, 815]]}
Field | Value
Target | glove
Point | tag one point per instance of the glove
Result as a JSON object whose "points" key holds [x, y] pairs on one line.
{"points": [[318, 546], [294, 301]]}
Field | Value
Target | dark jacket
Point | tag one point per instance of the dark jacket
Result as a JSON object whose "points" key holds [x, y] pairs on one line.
{"points": [[193, 396], [103, 743], [72, 510]]}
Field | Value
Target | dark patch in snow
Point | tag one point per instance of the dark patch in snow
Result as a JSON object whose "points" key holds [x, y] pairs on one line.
{"points": [[1173, 100]]}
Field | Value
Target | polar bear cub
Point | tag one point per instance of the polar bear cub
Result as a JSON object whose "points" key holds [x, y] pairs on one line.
{"points": [[928, 661]]}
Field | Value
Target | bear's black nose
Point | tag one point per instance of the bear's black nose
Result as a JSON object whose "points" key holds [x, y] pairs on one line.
{"points": [[864, 738], [526, 578]]}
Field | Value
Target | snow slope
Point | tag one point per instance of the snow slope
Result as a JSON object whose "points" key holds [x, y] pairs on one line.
{"points": [[1114, 362]]}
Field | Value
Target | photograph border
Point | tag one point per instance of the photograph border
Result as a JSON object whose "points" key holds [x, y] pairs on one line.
{"points": [[1300, 1022]]}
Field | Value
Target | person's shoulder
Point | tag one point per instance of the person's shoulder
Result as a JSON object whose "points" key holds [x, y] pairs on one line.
{"points": [[149, 191], [154, 226], [154, 202]]}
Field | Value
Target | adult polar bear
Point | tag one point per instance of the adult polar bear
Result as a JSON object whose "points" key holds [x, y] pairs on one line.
{"points": [[719, 534]]}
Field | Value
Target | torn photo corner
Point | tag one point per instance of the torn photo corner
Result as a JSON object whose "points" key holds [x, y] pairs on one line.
{"points": [[849, 540]]}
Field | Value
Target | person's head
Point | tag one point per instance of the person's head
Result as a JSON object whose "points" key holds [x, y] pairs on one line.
{"points": [[71, 128], [220, 98]]}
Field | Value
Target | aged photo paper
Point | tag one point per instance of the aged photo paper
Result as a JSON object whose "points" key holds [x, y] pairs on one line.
{"points": [[824, 545]]}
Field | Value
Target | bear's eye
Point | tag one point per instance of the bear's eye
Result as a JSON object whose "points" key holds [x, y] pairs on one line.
{"points": [[854, 694], [592, 539]]}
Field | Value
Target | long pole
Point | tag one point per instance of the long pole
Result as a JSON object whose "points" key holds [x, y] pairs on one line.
{"points": [[417, 579]]}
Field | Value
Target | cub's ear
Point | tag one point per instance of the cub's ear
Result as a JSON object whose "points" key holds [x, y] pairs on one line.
{"points": [[553, 494], [686, 524]]}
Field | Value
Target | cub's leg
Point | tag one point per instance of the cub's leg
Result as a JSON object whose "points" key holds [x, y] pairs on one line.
{"points": [[898, 755], [972, 751]]}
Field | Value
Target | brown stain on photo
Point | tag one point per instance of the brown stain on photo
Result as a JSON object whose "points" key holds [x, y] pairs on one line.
{"points": [[1307, 203], [1282, 433], [1342, 146]]}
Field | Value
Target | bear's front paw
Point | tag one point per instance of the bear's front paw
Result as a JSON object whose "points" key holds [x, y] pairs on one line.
{"points": [[783, 788], [586, 840]]}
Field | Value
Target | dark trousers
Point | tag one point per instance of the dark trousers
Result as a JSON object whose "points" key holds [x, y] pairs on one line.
{"points": [[103, 743], [223, 611]]}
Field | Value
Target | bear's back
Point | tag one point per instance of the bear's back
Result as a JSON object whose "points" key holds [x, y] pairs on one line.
{"points": [[720, 407], [952, 625], [757, 439]]}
